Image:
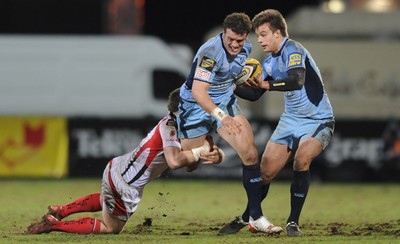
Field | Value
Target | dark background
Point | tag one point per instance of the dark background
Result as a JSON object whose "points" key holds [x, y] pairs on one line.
{"points": [[178, 21]]}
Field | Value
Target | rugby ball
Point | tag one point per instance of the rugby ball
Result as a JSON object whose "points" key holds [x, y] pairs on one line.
{"points": [[252, 68]]}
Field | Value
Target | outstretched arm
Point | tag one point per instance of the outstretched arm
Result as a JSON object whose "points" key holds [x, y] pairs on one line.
{"points": [[177, 159]]}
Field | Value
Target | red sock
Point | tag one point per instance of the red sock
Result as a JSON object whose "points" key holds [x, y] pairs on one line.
{"points": [[85, 225], [89, 203]]}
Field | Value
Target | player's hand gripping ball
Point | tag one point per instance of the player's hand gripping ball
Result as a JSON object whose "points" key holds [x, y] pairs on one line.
{"points": [[252, 68]]}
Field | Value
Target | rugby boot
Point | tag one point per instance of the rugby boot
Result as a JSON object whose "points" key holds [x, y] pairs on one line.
{"points": [[55, 210], [264, 225], [293, 229], [234, 226]]}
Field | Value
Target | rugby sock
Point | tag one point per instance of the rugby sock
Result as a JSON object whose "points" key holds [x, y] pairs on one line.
{"points": [[264, 193], [252, 184], [298, 194], [85, 225], [245, 215], [89, 203]]}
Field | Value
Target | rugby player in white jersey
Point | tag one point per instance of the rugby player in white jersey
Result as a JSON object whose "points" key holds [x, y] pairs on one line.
{"points": [[125, 177]]}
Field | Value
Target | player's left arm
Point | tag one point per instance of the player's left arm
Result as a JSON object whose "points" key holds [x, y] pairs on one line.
{"points": [[294, 81], [178, 159], [249, 93]]}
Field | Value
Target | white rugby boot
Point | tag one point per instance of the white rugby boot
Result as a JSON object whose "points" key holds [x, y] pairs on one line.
{"points": [[263, 225]]}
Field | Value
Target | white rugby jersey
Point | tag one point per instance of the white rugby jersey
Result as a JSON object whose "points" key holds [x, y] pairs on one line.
{"points": [[147, 161]]}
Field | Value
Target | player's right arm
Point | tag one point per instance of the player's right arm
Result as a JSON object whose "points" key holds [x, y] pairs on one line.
{"points": [[201, 96]]}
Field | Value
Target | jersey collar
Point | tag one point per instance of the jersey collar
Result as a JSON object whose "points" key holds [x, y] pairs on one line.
{"points": [[280, 49]]}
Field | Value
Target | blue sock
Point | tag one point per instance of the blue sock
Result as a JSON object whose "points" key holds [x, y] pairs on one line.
{"points": [[298, 194], [252, 184]]}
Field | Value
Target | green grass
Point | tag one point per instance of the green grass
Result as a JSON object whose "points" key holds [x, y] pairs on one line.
{"points": [[188, 211]]}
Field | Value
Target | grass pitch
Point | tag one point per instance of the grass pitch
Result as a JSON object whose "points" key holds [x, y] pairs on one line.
{"points": [[189, 211]]}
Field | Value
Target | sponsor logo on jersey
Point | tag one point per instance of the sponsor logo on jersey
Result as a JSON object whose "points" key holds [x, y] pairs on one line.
{"points": [[202, 74], [294, 59], [207, 63]]}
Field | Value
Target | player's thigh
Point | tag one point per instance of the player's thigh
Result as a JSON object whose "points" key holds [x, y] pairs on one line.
{"points": [[308, 149], [274, 158], [189, 143], [316, 135], [245, 139], [111, 224], [242, 143]]}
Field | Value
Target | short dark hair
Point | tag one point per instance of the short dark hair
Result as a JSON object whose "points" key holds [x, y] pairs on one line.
{"points": [[173, 100], [273, 18], [239, 23]]}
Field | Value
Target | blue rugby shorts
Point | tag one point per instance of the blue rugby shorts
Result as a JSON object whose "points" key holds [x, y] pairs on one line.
{"points": [[291, 130], [193, 121]]}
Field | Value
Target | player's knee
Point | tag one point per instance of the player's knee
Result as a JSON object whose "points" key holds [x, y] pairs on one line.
{"points": [[269, 168], [111, 228], [301, 163], [114, 230], [250, 156], [266, 178], [266, 175]]}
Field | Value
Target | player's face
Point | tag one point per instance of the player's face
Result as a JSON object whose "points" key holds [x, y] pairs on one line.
{"points": [[233, 42], [269, 41]]}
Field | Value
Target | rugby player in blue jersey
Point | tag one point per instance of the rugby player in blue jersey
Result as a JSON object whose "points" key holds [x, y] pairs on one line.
{"points": [[208, 103], [305, 127]]}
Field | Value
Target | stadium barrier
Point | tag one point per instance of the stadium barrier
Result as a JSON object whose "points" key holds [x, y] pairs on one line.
{"points": [[356, 152], [55, 147]]}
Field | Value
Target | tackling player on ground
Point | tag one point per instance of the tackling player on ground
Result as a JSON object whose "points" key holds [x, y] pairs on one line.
{"points": [[306, 126], [125, 177]]}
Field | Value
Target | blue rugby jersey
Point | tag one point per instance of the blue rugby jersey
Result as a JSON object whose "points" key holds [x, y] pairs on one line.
{"points": [[216, 66], [311, 101]]}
